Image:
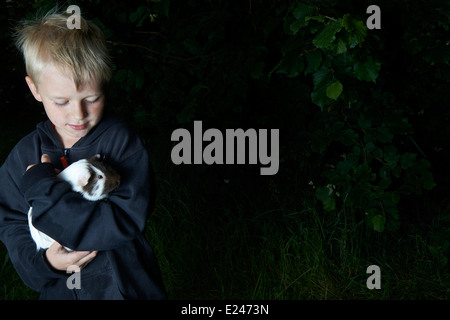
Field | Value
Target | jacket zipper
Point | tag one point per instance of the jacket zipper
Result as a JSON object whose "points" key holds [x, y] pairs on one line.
{"points": [[64, 158]]}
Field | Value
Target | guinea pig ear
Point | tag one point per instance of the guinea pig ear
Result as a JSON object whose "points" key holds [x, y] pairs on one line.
{"points": [[98, 157]]}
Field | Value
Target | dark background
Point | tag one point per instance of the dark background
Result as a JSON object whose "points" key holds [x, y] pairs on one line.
{"points": [[362, 179]]}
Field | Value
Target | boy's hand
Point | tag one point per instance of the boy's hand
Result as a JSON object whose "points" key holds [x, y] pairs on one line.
{"points": [[45, 158], [61, 259]]}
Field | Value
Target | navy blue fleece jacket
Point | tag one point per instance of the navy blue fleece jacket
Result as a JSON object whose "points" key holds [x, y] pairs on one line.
{"points": [[125, 267]]}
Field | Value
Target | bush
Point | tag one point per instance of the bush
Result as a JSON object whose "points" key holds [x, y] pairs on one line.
{"points": [[315, 72]]}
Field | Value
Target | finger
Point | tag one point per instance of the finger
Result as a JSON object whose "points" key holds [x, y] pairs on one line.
{"points": [[61, 251], [76, 256], [56, 247], [45, 158], [85, 261], [30, 166]]}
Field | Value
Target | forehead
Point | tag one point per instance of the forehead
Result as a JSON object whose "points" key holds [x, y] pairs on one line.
{"points": [[57, 83]]}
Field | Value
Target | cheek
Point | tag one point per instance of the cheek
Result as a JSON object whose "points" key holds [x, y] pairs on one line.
{"points": [[96, 109], [55, 114]]}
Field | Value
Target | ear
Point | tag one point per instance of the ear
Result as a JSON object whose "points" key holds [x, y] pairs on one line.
{"points": [[33, 88]]}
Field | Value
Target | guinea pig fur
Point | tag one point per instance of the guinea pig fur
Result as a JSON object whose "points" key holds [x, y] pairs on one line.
{"points": [[91, 177]]}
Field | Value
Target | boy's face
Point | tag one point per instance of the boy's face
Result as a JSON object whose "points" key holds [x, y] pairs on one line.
{"points": [[73, 112]]}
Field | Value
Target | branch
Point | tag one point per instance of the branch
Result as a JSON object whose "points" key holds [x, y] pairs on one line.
{"points": [[152, 51]]}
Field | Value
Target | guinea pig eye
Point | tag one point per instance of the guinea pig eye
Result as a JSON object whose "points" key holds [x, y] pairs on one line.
{"points": [[99, 177]]}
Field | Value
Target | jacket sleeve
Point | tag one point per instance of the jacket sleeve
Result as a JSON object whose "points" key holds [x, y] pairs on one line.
{"points": [[30, 264], [81, 224]]}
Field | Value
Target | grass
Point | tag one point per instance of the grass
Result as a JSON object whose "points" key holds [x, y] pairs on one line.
{"points": [[285, 247], [11, 286]]}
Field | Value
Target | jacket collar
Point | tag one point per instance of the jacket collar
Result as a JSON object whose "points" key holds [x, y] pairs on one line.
{"points": [[50, 138]]}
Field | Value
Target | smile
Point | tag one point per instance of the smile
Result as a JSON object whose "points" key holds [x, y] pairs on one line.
{"points": [[78, 127]]}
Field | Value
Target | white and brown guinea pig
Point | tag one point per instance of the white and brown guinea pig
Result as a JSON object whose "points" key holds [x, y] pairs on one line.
{"points": [[92, 178]]}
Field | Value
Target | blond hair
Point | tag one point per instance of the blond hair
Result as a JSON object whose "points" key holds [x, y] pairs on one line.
{"points": [[80, 53]]}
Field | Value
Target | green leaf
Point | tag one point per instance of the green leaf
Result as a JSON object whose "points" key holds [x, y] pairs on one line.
{"points": [[370, 147], [121, 76], [322, 76], [313, 60], [321, 80], [367, 71], [348, 137], [139, 79], [428, 181], [315, 18], [164, 7], [391, 155], [364, 123], [344, 167], [383, 134], [187, 114], [407, 160], [291, 65], [140, 11], [302, 11], [319, 99], [340, 47], [326, 37], [322, 193], [257, 70], [356, 28], [334, 90], [378, 222], [297, 25], [329, 204]]}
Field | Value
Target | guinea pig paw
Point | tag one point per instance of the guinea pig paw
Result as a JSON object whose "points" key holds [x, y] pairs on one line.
{"points": [[83, 180], [80, 173]]}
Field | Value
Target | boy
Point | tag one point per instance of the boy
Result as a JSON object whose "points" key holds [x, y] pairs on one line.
{"points": [[68, 70]]}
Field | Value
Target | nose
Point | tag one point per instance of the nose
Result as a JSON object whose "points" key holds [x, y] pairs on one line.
{"points": [[78, 110]]}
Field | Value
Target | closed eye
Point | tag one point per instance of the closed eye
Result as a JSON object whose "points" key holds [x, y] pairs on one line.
{"points": [[93, 101], [61, 104]]}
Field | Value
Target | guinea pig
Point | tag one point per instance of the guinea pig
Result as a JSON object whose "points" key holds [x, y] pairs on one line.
{"points": [[91, 177]]}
